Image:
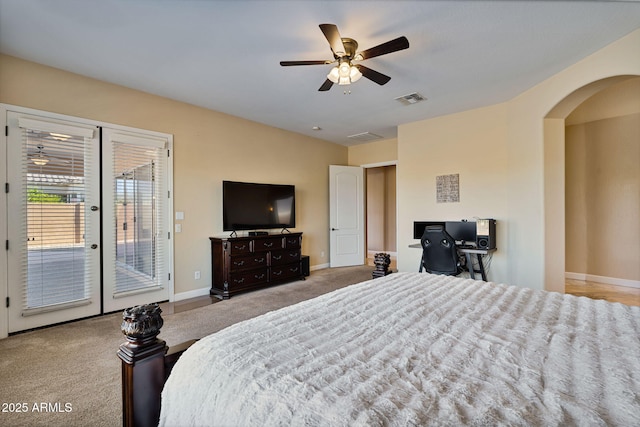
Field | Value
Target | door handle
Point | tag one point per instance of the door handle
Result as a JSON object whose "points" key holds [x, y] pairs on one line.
{"points": [[334, 229], [94, 246], [94, 208]]}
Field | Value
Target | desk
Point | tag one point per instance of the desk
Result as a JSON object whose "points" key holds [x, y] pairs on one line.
{"points": [[468, 252]]}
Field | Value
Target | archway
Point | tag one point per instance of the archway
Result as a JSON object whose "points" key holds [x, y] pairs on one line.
{"points": [[554, 178]]}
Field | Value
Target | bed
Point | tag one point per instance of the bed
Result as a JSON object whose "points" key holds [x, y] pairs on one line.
{"points": [[416, 349]]}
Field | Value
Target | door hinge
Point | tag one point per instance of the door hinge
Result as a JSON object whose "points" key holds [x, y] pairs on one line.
{"points": [[169, 276], [168, 194], [6, 130], [169, 235], [168, 153], [7, 244], [6, 187], [7, 302]]}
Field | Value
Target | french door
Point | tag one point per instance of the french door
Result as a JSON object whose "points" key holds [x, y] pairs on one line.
{"points": [[136, 212], [82, 242]]}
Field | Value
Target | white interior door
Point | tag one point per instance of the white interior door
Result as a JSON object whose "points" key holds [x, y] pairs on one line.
{"points": [[53, 221], [137, 219], [346, 216]]}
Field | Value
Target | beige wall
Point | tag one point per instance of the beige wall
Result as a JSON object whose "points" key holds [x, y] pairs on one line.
{"points": [[208, 147], [603, 184], [603, 198], [521, 182], [471, 144], [373, 153]]}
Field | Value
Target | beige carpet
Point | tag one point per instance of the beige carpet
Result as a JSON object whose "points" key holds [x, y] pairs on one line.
{"points": [[69, 375]]}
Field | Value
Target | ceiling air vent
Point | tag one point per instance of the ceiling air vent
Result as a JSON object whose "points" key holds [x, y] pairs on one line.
{"points": [[364, 136], [412, 98]]}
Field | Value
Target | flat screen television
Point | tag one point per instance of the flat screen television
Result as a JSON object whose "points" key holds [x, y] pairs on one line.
{"points": [[251, 206]]}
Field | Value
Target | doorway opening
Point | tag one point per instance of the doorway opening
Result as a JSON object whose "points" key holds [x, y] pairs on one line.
{"points": [[381, 208], [585, 209]]}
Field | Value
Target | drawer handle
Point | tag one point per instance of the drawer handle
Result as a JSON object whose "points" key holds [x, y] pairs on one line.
{"points": [[260, 260], [268, 245], [293, 255], [293, 270], [276, 273], [239, 280], [277, 257], [259, 277], [238, 263], [240, 248]]}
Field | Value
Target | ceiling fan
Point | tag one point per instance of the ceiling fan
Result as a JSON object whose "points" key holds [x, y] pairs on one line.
{"points": [[39, 157], [345, 53]]}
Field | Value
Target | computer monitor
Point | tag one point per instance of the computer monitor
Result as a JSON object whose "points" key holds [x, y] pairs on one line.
{"points": [[419, 226], [464, 231]]}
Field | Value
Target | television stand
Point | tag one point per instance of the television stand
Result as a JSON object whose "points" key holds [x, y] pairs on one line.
{"points": [[240, 264]]}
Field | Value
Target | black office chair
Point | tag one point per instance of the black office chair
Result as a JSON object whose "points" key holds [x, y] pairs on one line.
{"points": [[439, 253]]}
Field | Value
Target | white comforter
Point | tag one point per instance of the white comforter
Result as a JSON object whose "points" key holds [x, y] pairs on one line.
{"points": [[416, 349]]}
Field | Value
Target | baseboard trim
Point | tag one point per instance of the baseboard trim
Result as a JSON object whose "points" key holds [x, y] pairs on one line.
{"points": [[602, 279], [318, 267], [191, 294]]}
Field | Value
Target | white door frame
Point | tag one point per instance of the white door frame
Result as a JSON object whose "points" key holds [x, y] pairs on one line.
{"points": [[4, 271]]}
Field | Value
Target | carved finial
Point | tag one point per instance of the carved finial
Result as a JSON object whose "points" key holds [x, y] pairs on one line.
{"points": [[382, 261], [141, 324]]}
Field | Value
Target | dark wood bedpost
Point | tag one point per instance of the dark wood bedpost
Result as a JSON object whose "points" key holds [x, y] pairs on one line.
{"points": [[143, 365]]}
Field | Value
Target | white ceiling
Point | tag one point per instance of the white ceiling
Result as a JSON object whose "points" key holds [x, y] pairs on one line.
{"points": [[224, 55]]}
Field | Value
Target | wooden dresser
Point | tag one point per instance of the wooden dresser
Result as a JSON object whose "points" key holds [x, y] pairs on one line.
{"points": [[241, 264]]}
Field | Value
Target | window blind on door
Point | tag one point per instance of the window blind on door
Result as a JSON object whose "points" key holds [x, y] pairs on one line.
{"points": [[55, 170], [140, 197]]}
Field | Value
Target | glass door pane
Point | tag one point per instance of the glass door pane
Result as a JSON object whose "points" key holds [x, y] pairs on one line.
{"points": [[136, 228]]}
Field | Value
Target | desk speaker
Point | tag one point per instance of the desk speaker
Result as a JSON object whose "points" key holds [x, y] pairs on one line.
{"points": [[486, 233]]}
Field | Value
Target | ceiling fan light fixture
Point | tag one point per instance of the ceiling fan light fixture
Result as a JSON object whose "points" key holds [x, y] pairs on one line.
{"points": [[344, 74], [40, 161], [344, 69], [59, 136], [354, 74], [334, 75]]}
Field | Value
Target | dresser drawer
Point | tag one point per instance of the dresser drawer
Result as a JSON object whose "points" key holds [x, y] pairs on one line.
{"points": [[285, 271], [241, 279], [267, 244], [241, 247], [291, 242], [285, 257], [248, 261]]}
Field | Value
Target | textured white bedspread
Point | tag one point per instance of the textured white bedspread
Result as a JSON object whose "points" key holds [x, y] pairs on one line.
{"points": [[415, 349]]}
